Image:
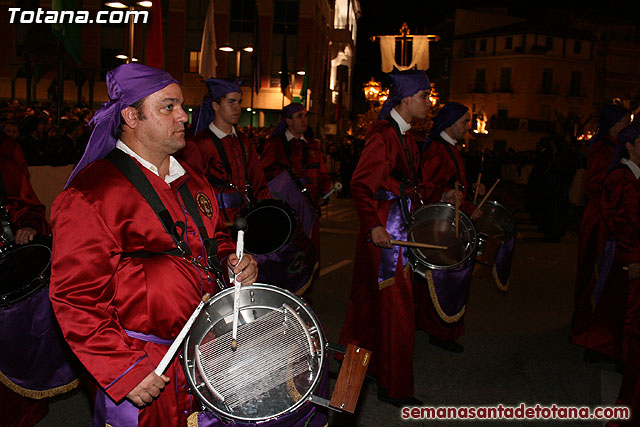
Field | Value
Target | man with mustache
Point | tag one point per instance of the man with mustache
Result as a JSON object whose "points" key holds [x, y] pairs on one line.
{"points": [[121, 285]]}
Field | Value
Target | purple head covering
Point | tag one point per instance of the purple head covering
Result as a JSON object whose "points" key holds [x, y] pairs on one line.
{"points": [[610, 114], [126, 85], [287, 113], [628, 134], [404, 84], [448, 115], [217, 88]]}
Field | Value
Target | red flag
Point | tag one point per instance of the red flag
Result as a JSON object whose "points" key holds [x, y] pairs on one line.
{"points": [[155, 45]]}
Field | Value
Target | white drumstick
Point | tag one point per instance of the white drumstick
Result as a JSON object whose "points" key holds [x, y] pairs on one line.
{"points": [[173, 349], [241, 224]]}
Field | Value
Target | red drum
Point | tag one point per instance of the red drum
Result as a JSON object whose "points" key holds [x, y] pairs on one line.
{"points": [[35, 361], [278, 241]]}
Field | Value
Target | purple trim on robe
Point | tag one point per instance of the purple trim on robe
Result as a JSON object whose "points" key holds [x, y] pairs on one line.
{"points": [[452, 287], [605, 261], [125, 372], [106, 411], [397, 226], [504, 258], [34, 353], [149, 338]]}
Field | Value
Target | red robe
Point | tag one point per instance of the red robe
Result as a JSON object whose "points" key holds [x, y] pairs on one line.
{"points": [[10, 148], [380, 316], [201, 154], [439, 174], [97, 294], [593, 235], [617, 314], [25, 210], [305, 160]]}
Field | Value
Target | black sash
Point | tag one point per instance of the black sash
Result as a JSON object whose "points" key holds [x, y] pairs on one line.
{"points": [[176, 230]]}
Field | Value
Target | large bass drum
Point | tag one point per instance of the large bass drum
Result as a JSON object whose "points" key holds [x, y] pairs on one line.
{"points": [[278, 363], [436, 224], [276, 238]]}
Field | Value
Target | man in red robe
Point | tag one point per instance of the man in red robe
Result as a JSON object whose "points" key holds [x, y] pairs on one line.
{"points": [[380, 315], [593, 234], [617, 292], [292, 147], [120, 294], [442, 167], [222, 154]]}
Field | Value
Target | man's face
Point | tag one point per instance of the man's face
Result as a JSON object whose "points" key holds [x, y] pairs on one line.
{"points": [[229, 109], [634, 151], [11, 131], [298, 123], [460, 128], [418, 104], [162, 128]]}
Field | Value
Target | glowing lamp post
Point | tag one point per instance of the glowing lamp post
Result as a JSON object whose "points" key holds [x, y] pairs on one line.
{"points": [[372, 90]]}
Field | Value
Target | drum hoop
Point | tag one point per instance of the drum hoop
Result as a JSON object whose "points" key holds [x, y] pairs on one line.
{"points": [[413, 252], [508, 211], [11, 299], [301, 304]]}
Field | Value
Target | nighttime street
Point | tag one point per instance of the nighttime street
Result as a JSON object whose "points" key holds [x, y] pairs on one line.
{"points": [[516, 348]]}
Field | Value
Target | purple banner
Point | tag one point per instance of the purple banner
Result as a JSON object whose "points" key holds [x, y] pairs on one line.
{"points": [[502, 266], [397, 226], [449, 290], [34, 354], [283, 187]]}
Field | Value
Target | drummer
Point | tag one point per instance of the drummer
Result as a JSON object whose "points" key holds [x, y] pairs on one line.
{"points": [[25, 212], [380, 315], [26, 221], [442, 164], [120, 294], [442, 168], [223, 154], [292, 147]]}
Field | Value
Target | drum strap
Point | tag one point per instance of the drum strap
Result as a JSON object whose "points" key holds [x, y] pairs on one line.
{"points": [[227, 165], [176, 230], [407, 152]]}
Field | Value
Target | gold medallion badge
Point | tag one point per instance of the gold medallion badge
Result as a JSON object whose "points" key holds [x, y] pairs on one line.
{"points": [[204, 204]]}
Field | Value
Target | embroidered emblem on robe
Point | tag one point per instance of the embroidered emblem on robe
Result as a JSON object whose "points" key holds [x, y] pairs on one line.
{"points": [[204, 204]]}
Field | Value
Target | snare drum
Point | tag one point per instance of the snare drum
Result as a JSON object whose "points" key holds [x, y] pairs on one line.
{"points": [[284, 252], [35, 361], [279, 362], [496, 226], [435, 224]]}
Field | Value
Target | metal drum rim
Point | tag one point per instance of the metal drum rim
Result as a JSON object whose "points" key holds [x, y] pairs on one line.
{"points": [[322, 352], [515, 222], [421, 261]]}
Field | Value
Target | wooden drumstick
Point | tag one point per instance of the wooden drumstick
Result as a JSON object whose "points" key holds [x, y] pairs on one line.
{"points": [[457, 209], [475, 195], [486, 196], [173, 349], [417, 245]]}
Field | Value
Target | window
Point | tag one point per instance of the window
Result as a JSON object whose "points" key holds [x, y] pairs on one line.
{"points": [[243, 16], [548, 43], [577, 47], [508, 43], [469, 47], [194, 58], [505, 79], [576, 84], [285, 17], [481, 74], [483, 45], [547, 80]]}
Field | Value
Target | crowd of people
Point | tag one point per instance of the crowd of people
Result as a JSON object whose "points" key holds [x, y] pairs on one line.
{"points": [[139, 159]]}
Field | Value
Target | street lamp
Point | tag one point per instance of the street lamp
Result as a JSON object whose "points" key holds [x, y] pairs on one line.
{"points": [[372, 90], [131, 7], [228, 48]]}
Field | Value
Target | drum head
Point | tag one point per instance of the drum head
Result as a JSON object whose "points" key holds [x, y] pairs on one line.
{"points": [[278, 361], [23, 271], [497, 221], [435, 224], [270, 225]]}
